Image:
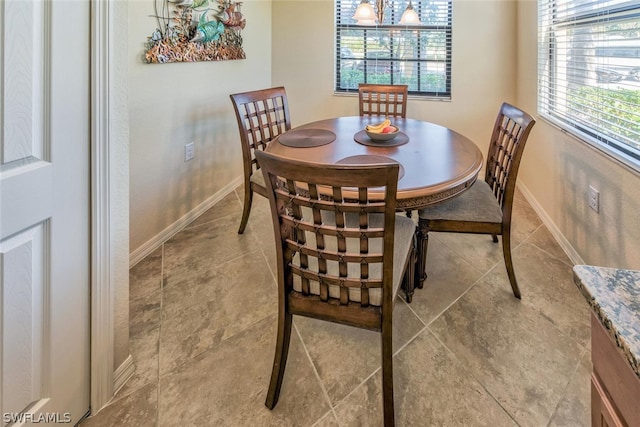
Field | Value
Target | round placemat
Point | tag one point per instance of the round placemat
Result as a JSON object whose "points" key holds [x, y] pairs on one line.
{"points": [[362, 138], [368, 159], [305, 138]]}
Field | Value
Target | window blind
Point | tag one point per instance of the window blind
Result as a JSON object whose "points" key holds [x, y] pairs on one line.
{"points": [[589, 72], [390, 53]]}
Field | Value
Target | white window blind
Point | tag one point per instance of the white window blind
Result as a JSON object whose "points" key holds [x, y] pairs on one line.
{"points": [[390, 53], [589, 72]]}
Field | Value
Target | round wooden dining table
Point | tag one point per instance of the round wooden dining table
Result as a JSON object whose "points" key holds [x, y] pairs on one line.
{"points": [[436, 163]]}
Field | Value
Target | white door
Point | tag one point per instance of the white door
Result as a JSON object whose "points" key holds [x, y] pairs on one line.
{"points": [[44, 211]]}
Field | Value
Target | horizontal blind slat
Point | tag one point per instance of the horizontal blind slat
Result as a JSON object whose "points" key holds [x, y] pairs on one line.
{"points": [[419, 56], [589, 70]]}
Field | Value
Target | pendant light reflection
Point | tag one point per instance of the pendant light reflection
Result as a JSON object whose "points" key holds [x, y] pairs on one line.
{"points": [[409, 17], [365, 14]]}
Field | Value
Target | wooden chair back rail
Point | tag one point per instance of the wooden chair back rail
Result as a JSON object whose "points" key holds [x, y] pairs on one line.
{"points": [[352, 314], [360, 283], [264, 121], [290, 201], [363, 258], [376, 102], [324, 281], [379, 99], [505, 152], [331, 230], [261, 115], [327, 202], [503, 147]]}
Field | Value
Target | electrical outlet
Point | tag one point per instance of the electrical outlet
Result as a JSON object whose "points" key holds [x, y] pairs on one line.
{"points": [[594, 199], [189, 151]]}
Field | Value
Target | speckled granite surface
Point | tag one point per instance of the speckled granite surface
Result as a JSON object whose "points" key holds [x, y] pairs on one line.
{"points": [[614, 296]]}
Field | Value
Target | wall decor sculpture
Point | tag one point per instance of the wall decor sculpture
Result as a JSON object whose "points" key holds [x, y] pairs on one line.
{"points": [[196, 30]]}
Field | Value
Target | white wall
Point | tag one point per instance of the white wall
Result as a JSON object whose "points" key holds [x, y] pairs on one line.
{"points": [[484, 65], [171, 105], [557, 170]]}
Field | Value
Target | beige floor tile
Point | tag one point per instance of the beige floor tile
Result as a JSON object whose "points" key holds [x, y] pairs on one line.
{"points": [[518, 355], [329, 420], [227, 385], [477, 250], [203, 341], [230, 205], [146, 276], [547, 285], [144, 340], [544, 240], [430, 389], [213, 306], [345, 356], [195, 249], [138, 409], [574, 408], [448, 278], [261, 225], [524, 219]]}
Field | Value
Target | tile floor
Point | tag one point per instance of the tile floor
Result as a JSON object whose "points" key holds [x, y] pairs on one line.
{"points": [[203, 319]]}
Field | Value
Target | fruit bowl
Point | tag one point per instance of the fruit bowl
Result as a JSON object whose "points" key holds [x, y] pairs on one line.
{"points": [[385, 134]]}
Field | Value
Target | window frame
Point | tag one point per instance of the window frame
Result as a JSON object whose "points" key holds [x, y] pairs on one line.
{"points": [[548, 109], [340, 28]]}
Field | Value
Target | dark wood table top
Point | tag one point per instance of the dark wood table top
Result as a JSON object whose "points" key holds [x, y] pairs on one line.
{"points": [[437, 163]]}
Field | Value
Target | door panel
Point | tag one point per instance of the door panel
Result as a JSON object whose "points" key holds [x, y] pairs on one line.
{"points": [[44, 210], [25, 333]]}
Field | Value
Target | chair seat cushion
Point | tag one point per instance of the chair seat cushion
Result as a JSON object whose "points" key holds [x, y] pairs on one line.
{"points": [[402, 246], [476, 204]]}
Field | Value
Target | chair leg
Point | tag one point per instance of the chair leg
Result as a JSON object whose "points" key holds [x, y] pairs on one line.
{"points": [[279, 360], [246, 210], [506, 249], [495, 238], [387, 375], [422, 236], [409, 273]]}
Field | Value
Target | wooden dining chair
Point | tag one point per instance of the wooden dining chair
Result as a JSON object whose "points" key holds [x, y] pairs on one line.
{"points": [[383, 100], [262, 115], [486, 207], [342, 254]]}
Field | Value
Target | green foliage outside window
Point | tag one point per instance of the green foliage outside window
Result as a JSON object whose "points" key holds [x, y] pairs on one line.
{"points": [[617, 110]]}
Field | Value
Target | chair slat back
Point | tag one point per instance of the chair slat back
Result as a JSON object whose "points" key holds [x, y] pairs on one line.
{"points": [[508, 139], [383, 100], [334, 239], [262, 115]]}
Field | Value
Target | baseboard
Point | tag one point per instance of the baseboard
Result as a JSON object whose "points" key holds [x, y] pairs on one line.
{"points": [[568, 249], [122, 374], [154, 243]]}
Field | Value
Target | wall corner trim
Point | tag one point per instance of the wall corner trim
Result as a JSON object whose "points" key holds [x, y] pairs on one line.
{"points": [[123, 373], [102, 304]]}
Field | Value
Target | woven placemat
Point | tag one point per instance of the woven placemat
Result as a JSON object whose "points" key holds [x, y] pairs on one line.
{"points": [[305, 138], [362, 138], [368, 159]]}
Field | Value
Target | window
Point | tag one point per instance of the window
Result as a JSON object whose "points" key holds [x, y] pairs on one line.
{"points": [[389, 53], [589, 72]]}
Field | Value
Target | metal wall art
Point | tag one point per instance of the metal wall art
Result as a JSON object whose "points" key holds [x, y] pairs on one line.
{"points": [[196, 30]]}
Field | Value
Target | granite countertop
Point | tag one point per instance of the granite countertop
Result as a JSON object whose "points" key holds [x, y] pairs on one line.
{"points": [[614, 296]]}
